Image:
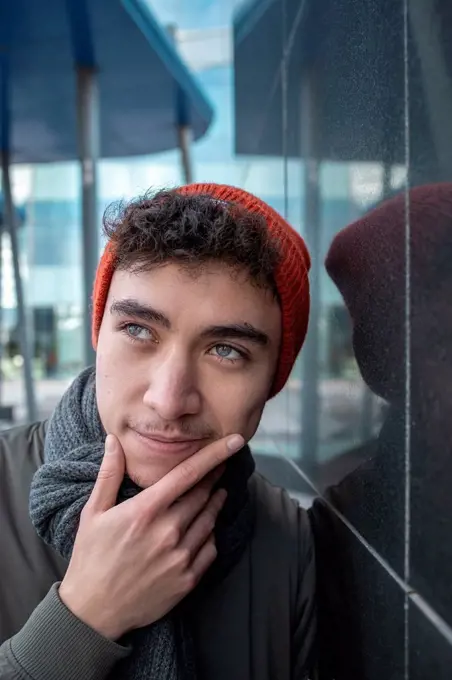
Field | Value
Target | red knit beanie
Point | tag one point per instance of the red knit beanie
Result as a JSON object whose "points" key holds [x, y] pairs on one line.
{"points": [[367, 261], [291, 277]]}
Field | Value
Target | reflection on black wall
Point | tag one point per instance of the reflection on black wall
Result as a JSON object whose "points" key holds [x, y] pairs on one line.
{"points": [[379, 75], [389, 549], [384, 530]]}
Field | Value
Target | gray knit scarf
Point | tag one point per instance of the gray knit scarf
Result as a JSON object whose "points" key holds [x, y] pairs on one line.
{"points": [[74, 448]]}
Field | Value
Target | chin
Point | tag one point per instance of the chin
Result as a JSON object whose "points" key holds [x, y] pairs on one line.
{"points": [[148, 462], [148, 472], [145, 475]]}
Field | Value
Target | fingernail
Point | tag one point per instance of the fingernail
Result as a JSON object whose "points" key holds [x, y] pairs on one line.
{"points": [[109, 444], [235, 443]]}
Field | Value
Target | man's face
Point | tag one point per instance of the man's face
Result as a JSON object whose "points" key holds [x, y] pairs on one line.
{"points": [[183, 360]]}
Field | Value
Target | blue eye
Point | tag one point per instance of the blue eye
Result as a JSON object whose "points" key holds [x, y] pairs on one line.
{"points": [[226, 353], [137, 332]]}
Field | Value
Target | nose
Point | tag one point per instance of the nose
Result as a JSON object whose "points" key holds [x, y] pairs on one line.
{"points": [[172, 390]]}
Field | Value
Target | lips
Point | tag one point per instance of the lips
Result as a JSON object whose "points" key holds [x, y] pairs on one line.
{"points": [[161, 445], [168, 440]]}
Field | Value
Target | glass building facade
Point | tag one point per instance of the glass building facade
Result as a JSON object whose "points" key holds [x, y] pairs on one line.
{"points": [[51, 239], [380, 472]]}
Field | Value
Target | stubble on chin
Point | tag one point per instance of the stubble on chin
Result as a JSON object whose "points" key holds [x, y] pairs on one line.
{"points": [[142, 479]]}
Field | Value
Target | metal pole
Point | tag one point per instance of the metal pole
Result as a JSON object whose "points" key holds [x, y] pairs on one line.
{"points": [[184, 136], [310, 402], [11, 222], [1, 305], [88, 137], [183, 127]]}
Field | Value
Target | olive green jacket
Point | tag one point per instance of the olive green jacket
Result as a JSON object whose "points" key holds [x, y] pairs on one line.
{"points": [[258, 624]]}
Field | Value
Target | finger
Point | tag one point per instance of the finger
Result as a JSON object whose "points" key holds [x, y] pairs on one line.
{"points": [[183, 512], [187, 474], [207, 483], [110, 476], [191, 471], [204, 524], [204, 559], [213, 477]]}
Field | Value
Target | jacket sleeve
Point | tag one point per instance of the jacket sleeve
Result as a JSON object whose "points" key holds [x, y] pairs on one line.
{"points": [[55, 644], [304, 638]]}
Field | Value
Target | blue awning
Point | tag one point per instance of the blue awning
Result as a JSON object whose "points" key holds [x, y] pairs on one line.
{"points": [[145, 89], [354, 50]]}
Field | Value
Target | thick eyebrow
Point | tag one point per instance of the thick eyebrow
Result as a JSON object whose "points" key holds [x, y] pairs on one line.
{"points": [[132, 308], [238, 331]]}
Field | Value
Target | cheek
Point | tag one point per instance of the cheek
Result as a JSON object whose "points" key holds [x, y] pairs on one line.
{"points": [[116, 388], [114, 358], [104, 393], [238, 405]]}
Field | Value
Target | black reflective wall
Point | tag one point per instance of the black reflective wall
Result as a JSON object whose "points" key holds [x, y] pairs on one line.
{"points": [[354, 100]]}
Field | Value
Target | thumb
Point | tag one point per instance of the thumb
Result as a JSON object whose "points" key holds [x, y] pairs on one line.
{"points": [[110, 476]]}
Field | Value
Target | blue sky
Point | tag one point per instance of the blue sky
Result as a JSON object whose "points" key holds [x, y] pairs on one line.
{"points": [[192, 14]]}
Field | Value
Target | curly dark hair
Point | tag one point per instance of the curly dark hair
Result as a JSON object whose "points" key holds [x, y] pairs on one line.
{"points": [[191, 230]]}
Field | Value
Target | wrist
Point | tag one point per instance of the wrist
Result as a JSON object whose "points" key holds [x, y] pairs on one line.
{"points": [[92, 614]]}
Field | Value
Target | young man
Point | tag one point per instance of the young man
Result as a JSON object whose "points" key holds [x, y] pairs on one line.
{"points": [[183, 562]]}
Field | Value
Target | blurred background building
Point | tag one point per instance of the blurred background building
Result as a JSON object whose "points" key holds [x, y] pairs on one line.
{"points": [[51, 239], [323, 109]]}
